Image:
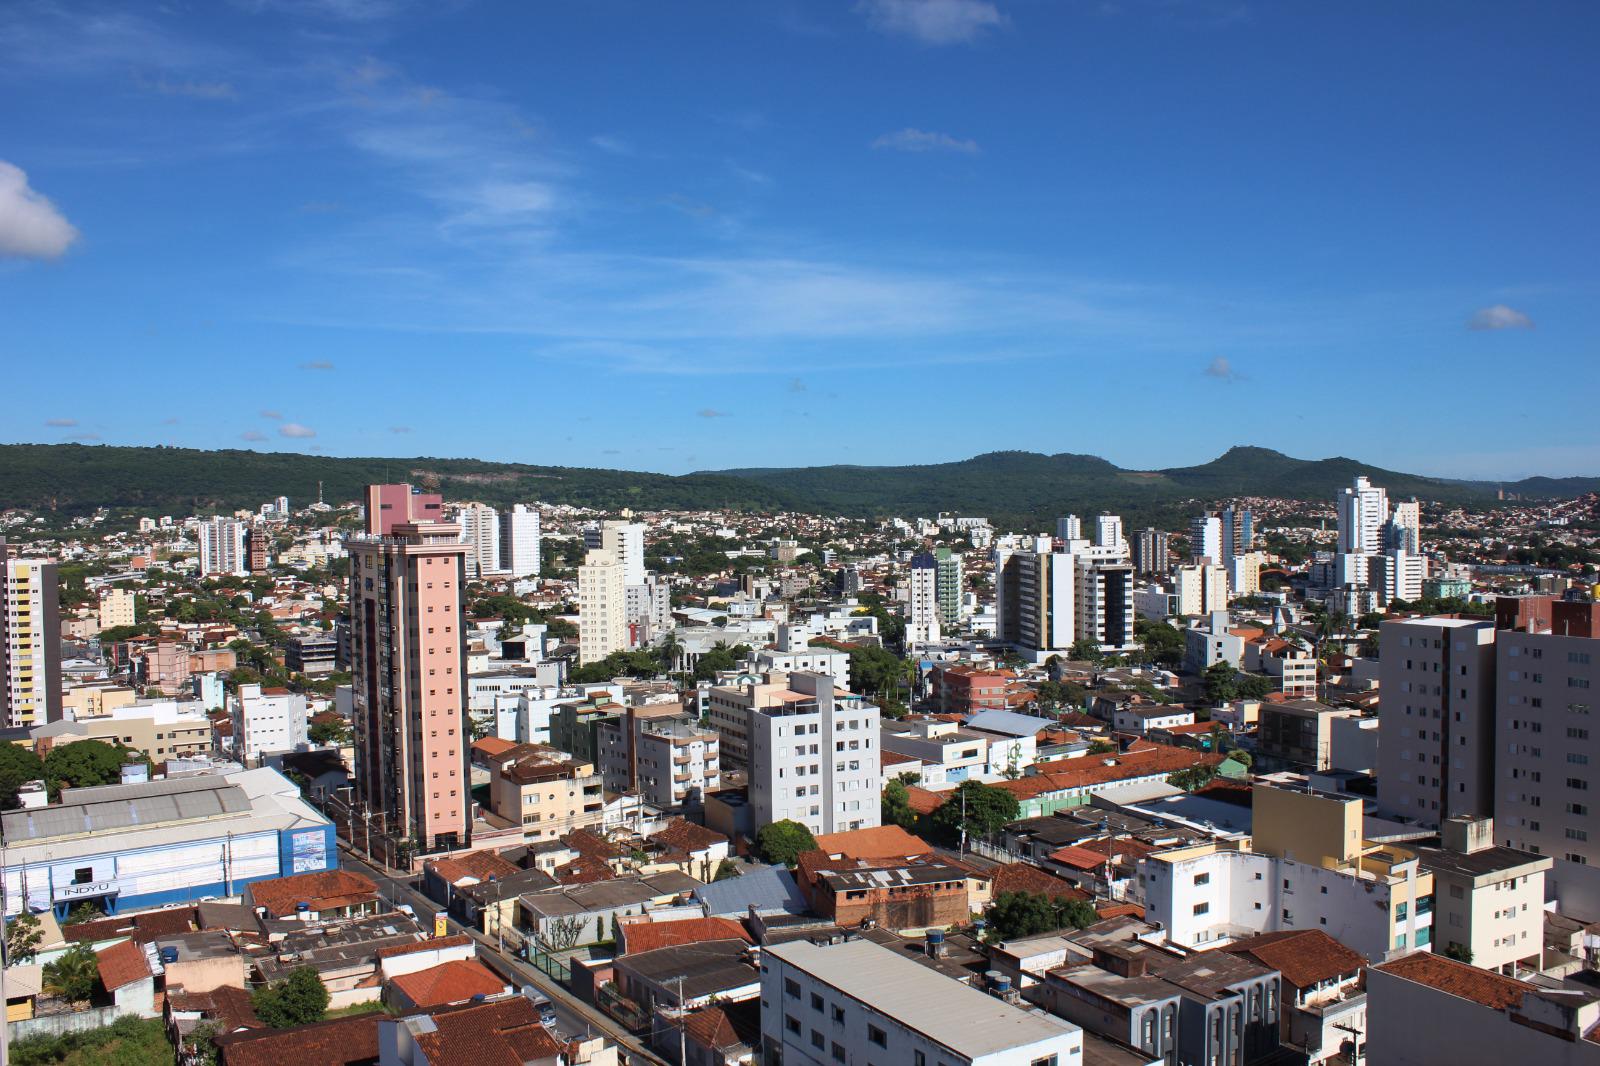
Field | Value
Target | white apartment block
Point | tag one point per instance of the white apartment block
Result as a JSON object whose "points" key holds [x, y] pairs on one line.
{"points": [[480, 532], [922, 609], [1108, 533], [520, 541], [1363, 512], [602, 607], [794, 653], [1436, 749], [1035, 598], [1104, 611], [266, 720], [30, 640], [1201, 588], [676, 763], [814, 760], [1205, 538], [1244, 573], [1397, 575], [854, 1001], [1488, 900], [117, 608], [222, 547], [624, 541]]}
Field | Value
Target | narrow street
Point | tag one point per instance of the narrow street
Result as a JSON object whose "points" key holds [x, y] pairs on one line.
{"points": [[574, 1018]]}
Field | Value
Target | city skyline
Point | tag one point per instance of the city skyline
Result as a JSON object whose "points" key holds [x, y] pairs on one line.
{"points": [[776, 235]]}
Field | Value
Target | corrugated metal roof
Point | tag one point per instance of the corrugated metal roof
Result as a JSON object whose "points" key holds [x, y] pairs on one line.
{"points": [[116, 807], [772, 889]]}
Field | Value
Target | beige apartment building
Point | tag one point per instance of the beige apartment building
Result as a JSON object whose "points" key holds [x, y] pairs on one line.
{"points": [[162, 729], [602, 607], [117, 608], [545, 791], [1488, 900], [729, 708], [95, 698]]}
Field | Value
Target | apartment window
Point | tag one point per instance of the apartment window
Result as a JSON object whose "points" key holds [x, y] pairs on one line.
{"points": [[1574, 733], [817, 1041], [1577, 834], [838, 1053], [791, 1023], [1048, 1060], [791, 988], [816, 1003], [877, 1036], [838, 1014], [1202, 879], [1202, 908]]}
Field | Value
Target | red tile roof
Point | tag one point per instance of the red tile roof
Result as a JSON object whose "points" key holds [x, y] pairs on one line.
{"points": [[1459, 979], [121, 964], [726, 1026], [502, 1032], [880, 842], [1024, 877], [349, 1041], [455, 981], [922, 800], [685, 835], [143, 928], [323, 890], [230, 1008], [1118, 910], [1077, 857], [1143, 761], [481, 865], [1303, 956], [646, 935], [455, 940]]}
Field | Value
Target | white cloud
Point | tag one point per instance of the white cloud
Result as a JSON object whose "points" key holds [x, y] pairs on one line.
{"points": [[61, 423], [915, 140], [195, 90], [295, 429], [797, 385], [30, 225], [711, 412], [933, 21], [1221, 368], [172, 421], [252, 435], [317, 364], [274, 415], [1499, 317], [399, 429], [614, 145]]}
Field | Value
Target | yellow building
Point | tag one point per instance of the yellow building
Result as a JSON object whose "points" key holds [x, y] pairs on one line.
{"points": [[117, 608]]}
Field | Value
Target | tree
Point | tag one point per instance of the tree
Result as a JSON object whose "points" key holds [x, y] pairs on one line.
{"points": [[1085, 650], [23, 937], [1192, 778], [1102, 747], [781, 842], [896, 805], [1242, 757], [1252, 686], [988, 810], [87, 911], [73, 974], [725, 869], [17, 766], [202, 1041], [299, 999], [1219, 683], [1459, 952], [1018, 914], [1162, 643], [329, 732]]}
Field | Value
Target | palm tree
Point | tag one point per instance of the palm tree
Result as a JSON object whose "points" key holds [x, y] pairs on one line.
{"points": [[72, 975]]}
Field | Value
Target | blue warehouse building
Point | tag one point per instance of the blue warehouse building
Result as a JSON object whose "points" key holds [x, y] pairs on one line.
{"points": [[148, 844]]}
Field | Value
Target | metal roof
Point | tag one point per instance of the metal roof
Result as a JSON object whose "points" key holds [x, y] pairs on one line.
{"points": [[1008, 722], [113, 807]]}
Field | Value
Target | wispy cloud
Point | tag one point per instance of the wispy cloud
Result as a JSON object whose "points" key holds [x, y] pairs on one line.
{"points": [[1221, 368], [399, 429], [252, 435], [1499, 317], [711, 412], [915, 140], [335, 10], [274, 415], [317, 364], [935, 22], [613, 145], [170, 421], [689, 206], [796, 385], [194, 90], [61, 423], [295, 429], [30, 225]]}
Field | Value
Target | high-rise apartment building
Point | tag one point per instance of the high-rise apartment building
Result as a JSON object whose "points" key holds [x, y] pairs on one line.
{"points": [[258, 549], [1200, 589], [922, 610], [1104, 609], [390, 505], [408, 676], [1205, 538], [1363, 512], [1238, 532], [480, 532], [118, 607], [1436, 745], [1244, 573], [602, 607], [1150, 552], [223, 547], [624, 541], [1069, 527], [1397, 575], [1108, 533], [30, 640], [519, 541], [1035, 598], [815, 759], [951, 587]]}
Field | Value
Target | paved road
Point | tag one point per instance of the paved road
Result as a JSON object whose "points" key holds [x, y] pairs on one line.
{"points": [[573, 1016]]}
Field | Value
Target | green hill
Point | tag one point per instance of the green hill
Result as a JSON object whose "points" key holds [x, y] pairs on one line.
{"points": [[1012, 487]]}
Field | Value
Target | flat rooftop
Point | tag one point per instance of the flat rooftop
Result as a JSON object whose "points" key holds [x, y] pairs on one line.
{"points": [[961, 1018]]}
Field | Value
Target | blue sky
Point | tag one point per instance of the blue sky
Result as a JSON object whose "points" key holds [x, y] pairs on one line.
{"points": [[674, 236]]}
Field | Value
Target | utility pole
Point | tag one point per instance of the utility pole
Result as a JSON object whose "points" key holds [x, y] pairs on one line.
{"points": [[963, 821], [683, 1026]]}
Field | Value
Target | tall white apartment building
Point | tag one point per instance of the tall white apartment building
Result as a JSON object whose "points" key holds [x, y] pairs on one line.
{"points": [[1363, 512], [1397, 574], [814, 760], [222, 547], [1205, 538], [266, 720], [1200, 589], [519, 541], [30, 641], [623, 540], [118, 607], [649, 608], [1405, 528], [1436, 748], [1104, 609], [480, 532], [1244, 573], [602, 607], [922, 610], [855, 1001], [1108, 533], [1069, 527], [1035, 598]]}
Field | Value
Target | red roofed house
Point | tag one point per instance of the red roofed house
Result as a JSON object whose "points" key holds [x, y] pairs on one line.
{"points": [[1053, 786], [349, 1041], [500, 1032], [456, 981], [127, 978], [1323, 997], [639, 933], [326, 893]]}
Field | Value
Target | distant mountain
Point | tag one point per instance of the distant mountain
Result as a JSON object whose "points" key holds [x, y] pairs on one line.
{"points": [[1011, 487]]}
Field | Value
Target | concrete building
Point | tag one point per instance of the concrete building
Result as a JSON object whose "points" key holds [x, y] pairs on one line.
{"points": [[1104, 610], [1488, 900], [1425, 1009], [1201, 588], [1238, 532], [311, 654], [667, 759], [1205, 539], [1299, 733], [1437, 731], [161, 842], [951, 588], [602, 606], [1151, 553], [162, 729], [118, 607], [545, 791], [946, 753], [266, 720], [30, 640], [624, 541], [815, 760], [855, 1001], [1397, 575], [480, 532], [520, 541], [793, 652], [1035, 599], [922, 609], [222, 547], [388, 506], [408, 679], [1244, 573]]}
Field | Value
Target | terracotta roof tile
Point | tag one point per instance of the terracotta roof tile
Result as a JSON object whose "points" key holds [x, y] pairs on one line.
{"points": [[1023, 877], [323, 890], [646, 935], [685, 835], [922, 800], [1459, 979], [1141, 761], [121, 964], [454, 941], [455, 981], [481, 865], [880, 842], [503, 1032], [726, 1026], [1303, 956], [349, 1041], [1079, 858]]}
